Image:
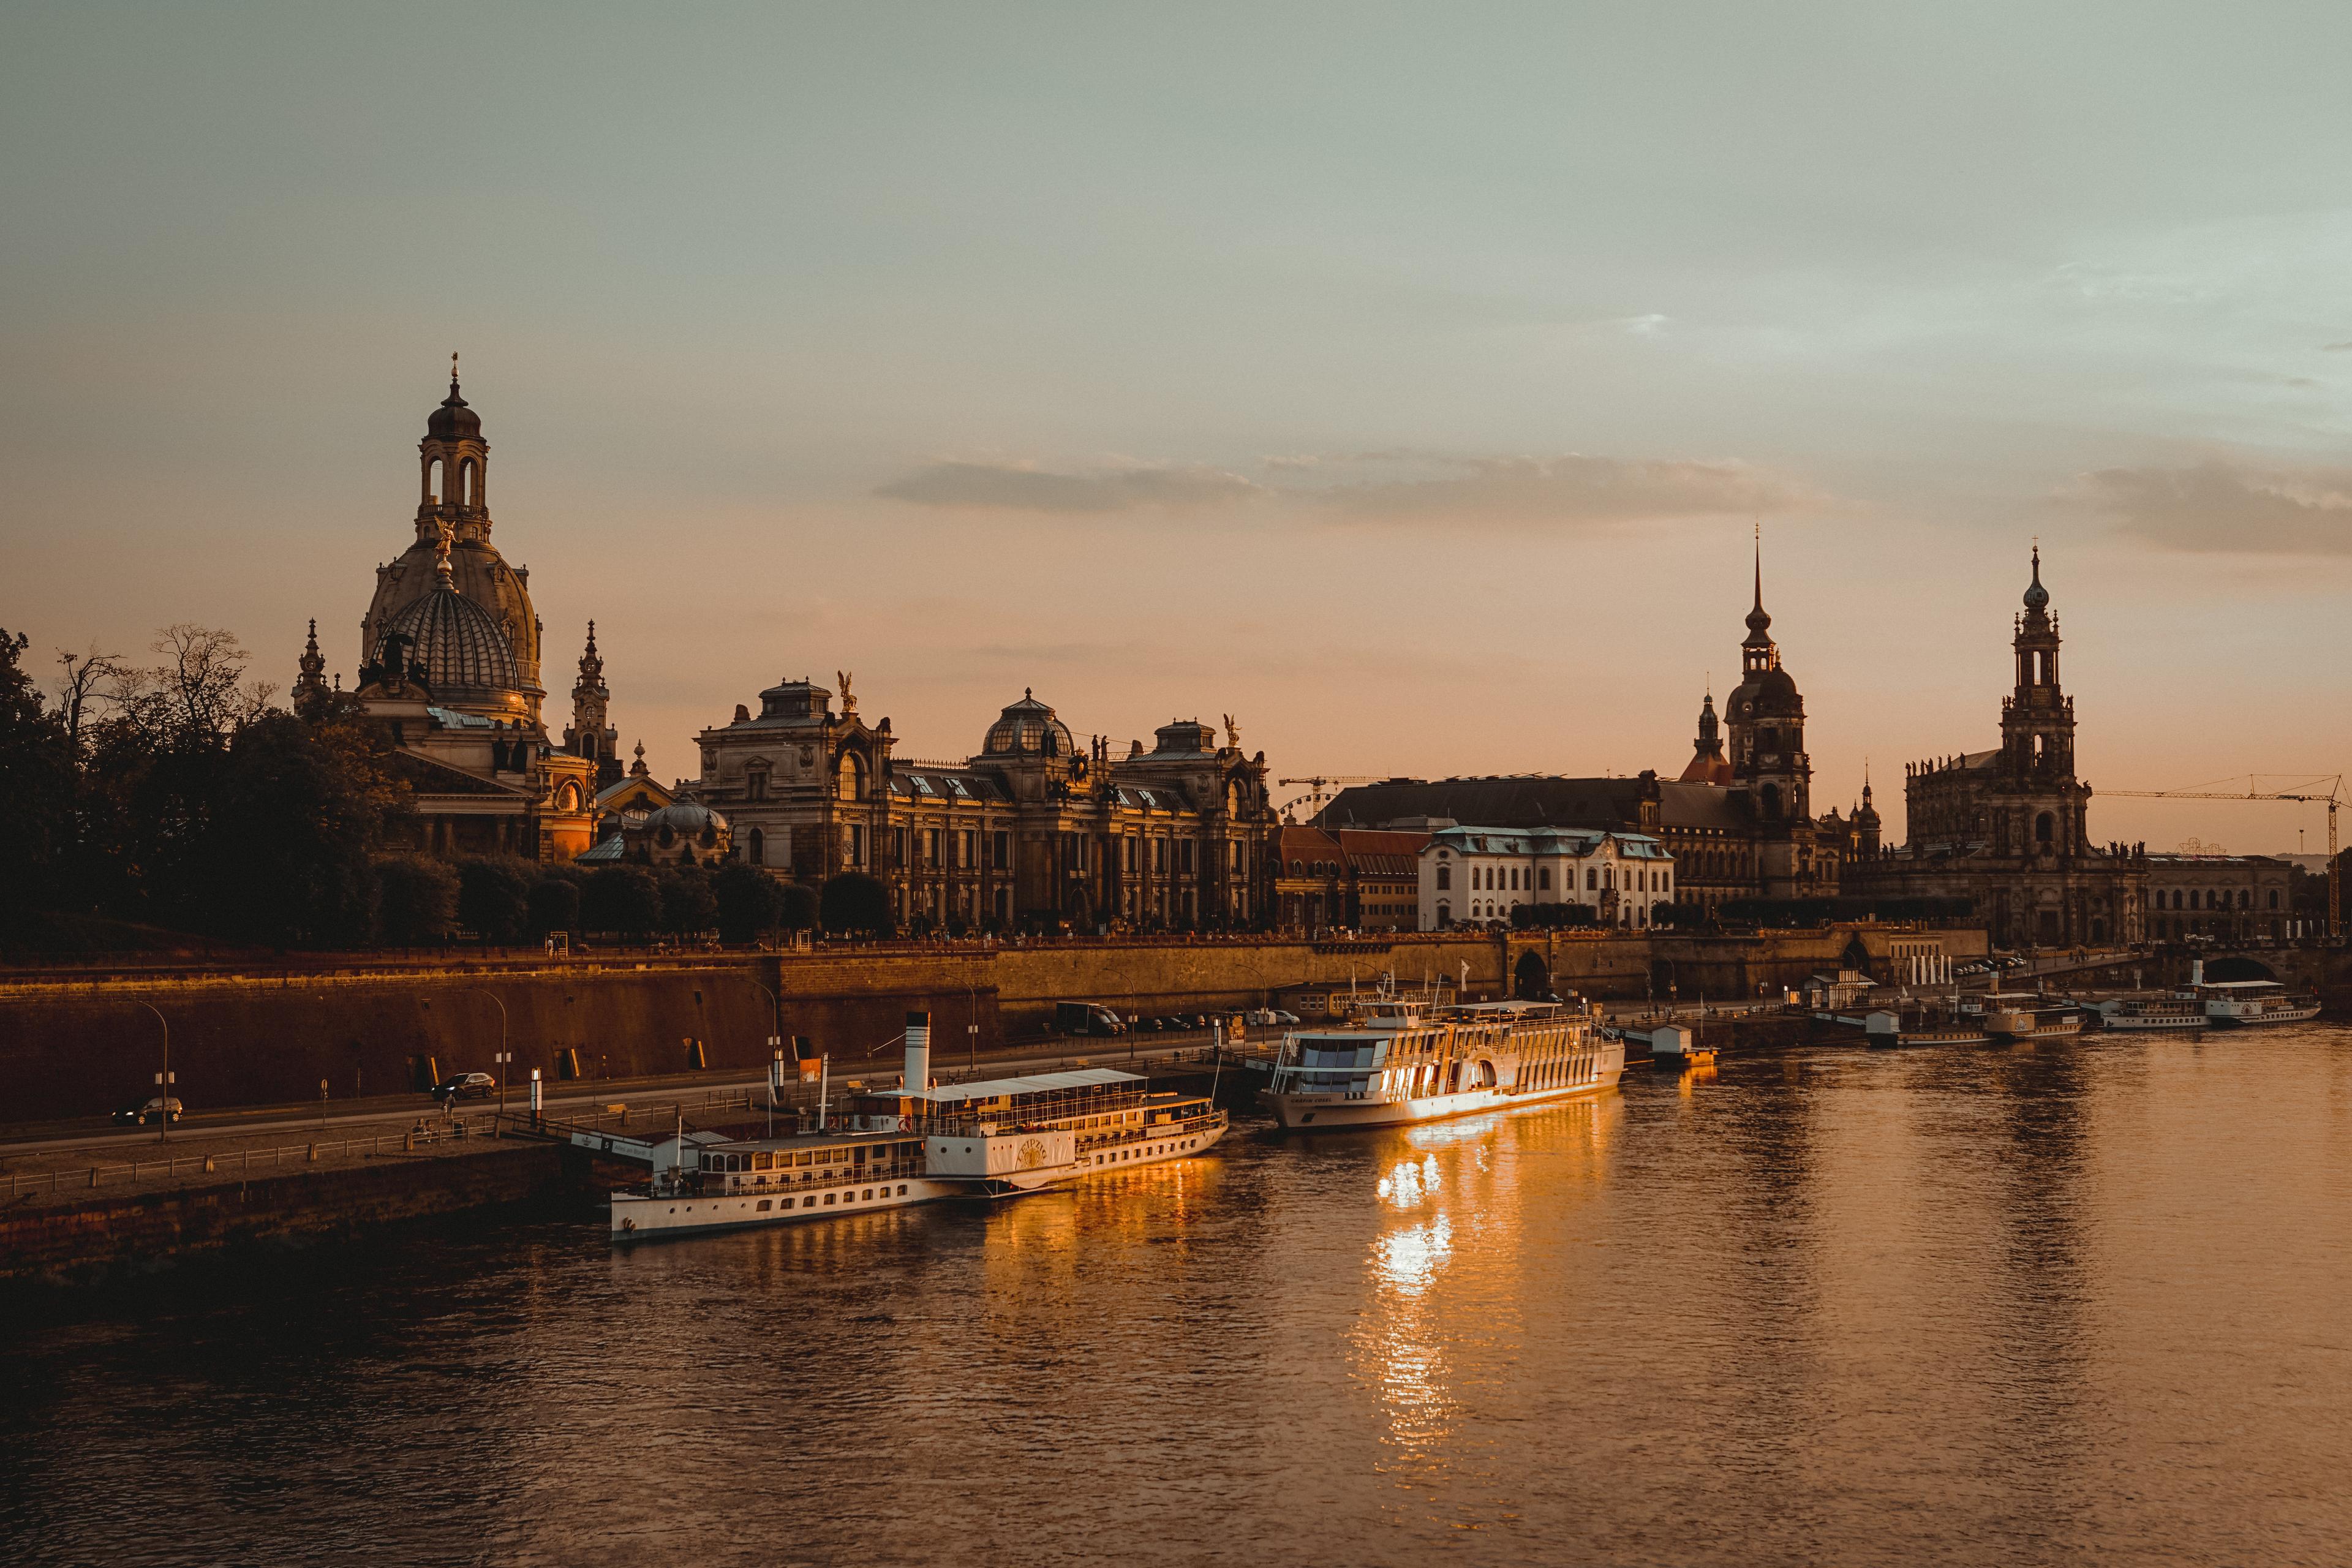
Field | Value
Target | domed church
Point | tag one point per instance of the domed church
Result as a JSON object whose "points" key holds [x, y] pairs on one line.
{"points": [[449, 659]]}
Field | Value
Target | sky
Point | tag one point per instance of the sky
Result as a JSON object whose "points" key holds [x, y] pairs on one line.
{"points": [[1408, 382]]}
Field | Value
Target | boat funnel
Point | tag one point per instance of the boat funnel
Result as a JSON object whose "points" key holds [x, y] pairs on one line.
{"points": [[2196, 971], [919, 1053]]}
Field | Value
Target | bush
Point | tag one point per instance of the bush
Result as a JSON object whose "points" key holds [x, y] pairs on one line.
{"points": [[416, 899], [1544, 917], [494, 898], [855, 903], [799, 911], [688, 903], [1679, 917], [625, 899], [554, 905], [750, 902]]}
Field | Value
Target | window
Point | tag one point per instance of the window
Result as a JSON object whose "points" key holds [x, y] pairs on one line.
{"points": [[1001, 849], [755, 782], [2045, 827], [965, 848], [759, 848], [1543, 879], [1444, 879]]}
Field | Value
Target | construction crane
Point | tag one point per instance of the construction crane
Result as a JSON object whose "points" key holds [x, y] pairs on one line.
{"points": [[2306, 789], [1316, 797]]}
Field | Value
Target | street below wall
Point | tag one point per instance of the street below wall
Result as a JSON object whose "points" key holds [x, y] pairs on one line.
{"points": [[77, 1045]]}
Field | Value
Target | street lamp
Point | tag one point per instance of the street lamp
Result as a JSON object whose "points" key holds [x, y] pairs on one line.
{"points": [[775, 1045], [502, 1059], [164, 1079]]}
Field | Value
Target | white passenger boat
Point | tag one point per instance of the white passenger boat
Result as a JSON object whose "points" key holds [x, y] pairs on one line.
{"points": [[1000, 1138], [2024, 1015], [1397, 1063], [2247, 1004], [2175, 1013]]}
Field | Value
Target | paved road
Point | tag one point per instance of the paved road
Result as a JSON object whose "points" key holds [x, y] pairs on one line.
{"points": [[397, 1111]]}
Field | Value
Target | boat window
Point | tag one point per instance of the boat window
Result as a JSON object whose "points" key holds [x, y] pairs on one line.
{"points": [[764, 1162], [809, 1202], [902, 1189], [828, 1198], [765, 1204]]}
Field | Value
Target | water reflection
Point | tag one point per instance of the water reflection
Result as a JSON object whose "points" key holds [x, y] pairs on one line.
{"points": [[2068, 1303]]}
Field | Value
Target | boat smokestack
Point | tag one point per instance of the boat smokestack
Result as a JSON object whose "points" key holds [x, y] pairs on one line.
{"points": [[919, 1053], [2196, 971]]}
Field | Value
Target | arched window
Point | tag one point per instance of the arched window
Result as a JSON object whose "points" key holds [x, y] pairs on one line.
{"points": [[433, 482], [759, 848], [1444, 913], [1444, 880], [466, 482], [852, 776], [1543, 879], [1771, 798], [1297, 866]]}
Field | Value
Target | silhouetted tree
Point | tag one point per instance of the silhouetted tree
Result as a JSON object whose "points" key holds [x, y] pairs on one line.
{"points": [[855, 903], [416, 898], [625, 899], [494, 896], [798, 910], [688, 904], [37, 781], [750, 902], [554, 904]]}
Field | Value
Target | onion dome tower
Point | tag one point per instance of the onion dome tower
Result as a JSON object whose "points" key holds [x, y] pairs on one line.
{"points": [[1707, 764], [589, 735], [1767, 717], [453, 468]]}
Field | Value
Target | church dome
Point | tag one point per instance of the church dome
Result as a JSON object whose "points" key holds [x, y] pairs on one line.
{"points": [[461, 646], [686, 822], [453, 421], [2037, 597], [1028, 726]]}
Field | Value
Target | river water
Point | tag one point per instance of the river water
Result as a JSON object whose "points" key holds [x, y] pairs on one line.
{"points": [[2069, 1303]]}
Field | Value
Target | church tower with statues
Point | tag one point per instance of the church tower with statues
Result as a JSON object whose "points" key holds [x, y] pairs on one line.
{"points": [[2008, 829], [449, 662]]}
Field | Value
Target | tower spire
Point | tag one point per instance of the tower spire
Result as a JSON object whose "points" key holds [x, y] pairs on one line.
{"points": [[313, 666]]}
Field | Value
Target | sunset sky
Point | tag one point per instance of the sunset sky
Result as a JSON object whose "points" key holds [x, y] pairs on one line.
{"points": [[1404, 382]]}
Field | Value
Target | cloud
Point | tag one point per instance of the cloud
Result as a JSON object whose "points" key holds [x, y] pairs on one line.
{"points": [[1021, 487], [2224, 507], [1390, 486], [1575, 490]]}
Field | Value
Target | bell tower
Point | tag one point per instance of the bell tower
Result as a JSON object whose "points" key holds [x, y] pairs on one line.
{"points": [[1766, 718], [453, 465], [589, 735], [2037, 735]]}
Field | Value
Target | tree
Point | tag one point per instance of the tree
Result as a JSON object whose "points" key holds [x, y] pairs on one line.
{"points": [[554, 904], [36, 780], [855, 903], [624, 899], [800, 907], [416, 899], [688, 905], [750, 902], [494, 896]]}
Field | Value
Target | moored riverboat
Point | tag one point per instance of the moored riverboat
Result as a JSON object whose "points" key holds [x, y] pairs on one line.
{"points": [[1398, 1062], [2176, 1014], [2250, 1003], [991, 1139]]}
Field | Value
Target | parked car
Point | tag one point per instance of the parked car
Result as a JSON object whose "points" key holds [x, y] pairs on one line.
{"points": [[152, 1112], [1285, 1018], [465, 1086], [1085, 1018]]}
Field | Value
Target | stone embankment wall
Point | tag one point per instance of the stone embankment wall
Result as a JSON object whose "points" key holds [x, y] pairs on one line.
{"points": [[106, 1233], [85, 1044]]}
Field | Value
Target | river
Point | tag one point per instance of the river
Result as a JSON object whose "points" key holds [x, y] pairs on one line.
{"points": [[2081, 1302]]}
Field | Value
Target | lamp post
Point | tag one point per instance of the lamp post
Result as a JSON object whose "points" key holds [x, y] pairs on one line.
{"points": [[164, 1079], [502, 1038], [775, 1045], [502, 1059]]}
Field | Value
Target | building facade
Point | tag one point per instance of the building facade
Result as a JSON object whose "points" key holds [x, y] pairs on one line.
{"points": [[449, 662], [2009, 829], [1032, 831], [1351, 878], [2227, 898], [1474, 875]]}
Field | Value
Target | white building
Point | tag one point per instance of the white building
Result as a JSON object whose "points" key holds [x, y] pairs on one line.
{"points": [[1472, 875]]}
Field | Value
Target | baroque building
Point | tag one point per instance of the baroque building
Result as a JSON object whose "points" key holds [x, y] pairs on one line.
{"points": [[2009, 828], [1734, 827], [1032, 831], [449, 662]]}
